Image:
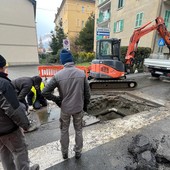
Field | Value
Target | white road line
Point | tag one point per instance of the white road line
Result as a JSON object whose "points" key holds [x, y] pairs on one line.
{"points": [[50, 154]]}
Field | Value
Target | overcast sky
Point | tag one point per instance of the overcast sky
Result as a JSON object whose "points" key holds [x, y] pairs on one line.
{"points": [[45, 15]]}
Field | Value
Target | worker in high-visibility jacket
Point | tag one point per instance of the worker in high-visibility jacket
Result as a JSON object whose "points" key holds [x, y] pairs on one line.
{"points": [[34, 98]]}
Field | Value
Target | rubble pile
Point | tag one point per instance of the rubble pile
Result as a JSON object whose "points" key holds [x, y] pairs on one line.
{"points": [[149, 155]]}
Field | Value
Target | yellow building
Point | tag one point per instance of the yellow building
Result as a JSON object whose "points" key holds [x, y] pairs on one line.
{"points": [[74, 14]]}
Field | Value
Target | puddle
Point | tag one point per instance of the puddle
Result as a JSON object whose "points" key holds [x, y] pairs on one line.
{"points": [[48, 114], [107, 107]]}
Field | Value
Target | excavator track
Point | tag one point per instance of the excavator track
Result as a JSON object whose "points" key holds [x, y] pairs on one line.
{"points": [[112, 84]]}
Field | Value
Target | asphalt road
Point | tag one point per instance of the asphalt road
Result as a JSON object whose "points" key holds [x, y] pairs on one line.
{"points": [[112, 153]]}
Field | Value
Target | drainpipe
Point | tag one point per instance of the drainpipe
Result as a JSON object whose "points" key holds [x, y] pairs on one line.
{"points": [[158, 14]]}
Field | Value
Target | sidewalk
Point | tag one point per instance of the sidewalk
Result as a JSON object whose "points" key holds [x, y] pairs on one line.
{"points": [[105, 144]]}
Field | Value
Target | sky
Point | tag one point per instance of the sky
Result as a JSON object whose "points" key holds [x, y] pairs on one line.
{"points": [[45, 15]]}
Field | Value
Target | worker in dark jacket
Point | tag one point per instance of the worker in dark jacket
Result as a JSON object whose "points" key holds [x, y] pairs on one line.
{"points": [[74, 95], [23, 86], [35, 98], [13, 150]]}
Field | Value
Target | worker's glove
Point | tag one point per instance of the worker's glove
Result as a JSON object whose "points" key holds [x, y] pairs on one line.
{"points": [[30, 108], [58, 101]]}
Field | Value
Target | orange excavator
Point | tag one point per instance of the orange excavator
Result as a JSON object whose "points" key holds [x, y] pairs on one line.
{"points": [[107, 71]]}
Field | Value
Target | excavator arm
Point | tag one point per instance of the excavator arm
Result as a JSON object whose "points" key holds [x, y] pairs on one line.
{"points": [[138, 33]]}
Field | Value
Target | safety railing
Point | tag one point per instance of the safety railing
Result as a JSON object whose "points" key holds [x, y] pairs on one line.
{"points": [[50, 71]]}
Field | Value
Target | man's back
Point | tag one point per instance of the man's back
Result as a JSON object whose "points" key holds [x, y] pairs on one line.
{"points": [[23, 86], [71, 88]]}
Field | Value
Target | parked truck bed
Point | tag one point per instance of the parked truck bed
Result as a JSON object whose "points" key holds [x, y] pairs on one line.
{"points": [[158, 64]]}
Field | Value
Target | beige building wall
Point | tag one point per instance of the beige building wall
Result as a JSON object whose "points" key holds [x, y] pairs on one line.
{"points": [[128, 14], [150, 9], [18, 42], [74, 14]]}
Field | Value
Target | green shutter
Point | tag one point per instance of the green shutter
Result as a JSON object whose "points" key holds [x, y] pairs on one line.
{"points": [[167, 14], [114, 27], [137, 18], [140, 20], [121, 25]]}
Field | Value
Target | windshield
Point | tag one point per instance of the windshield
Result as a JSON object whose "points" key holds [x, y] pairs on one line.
{"points": [[106, 48]]}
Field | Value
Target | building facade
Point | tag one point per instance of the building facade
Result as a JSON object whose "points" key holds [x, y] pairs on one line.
{"points": [[122, 17], [74, 14], [18, 42]]}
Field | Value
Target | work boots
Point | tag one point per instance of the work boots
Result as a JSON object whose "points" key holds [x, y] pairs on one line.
{"points": [[65, 155], [35, 167], [77, 155]]}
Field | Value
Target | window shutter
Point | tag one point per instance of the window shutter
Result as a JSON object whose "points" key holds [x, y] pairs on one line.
{"points": [[137, 18], [140, 19], [114, 27], [121, 25], [166, 17]]}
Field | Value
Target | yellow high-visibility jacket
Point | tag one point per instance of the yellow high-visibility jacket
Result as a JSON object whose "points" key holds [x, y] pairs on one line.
{"points": [[42, 85]]}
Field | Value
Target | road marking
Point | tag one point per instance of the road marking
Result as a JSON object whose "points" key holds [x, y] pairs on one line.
{"points": [[50, 154]]}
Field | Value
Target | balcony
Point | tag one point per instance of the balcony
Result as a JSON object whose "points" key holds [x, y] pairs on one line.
{"points": [[104, 17], [104, 5]]}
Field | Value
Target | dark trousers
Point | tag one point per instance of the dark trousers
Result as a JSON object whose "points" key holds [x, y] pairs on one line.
{"points": [[40, 102], [13, 151]]}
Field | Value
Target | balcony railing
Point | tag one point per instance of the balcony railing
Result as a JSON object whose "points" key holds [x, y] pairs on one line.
{"points": [[103, 1]]}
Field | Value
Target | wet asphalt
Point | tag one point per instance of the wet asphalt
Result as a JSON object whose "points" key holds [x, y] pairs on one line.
{"points": [[112, 155]]}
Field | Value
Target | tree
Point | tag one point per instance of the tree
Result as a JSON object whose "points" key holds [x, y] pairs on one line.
{"points": [[57, 38], [86, 35]]}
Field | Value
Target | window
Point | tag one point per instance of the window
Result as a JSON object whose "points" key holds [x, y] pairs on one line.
{"points": [[82, 9], [120, 3], [118, 26], [167, 19], [82, 24], [139, 18], [78, 22]]}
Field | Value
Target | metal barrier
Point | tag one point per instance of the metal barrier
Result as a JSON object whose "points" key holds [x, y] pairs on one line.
{"points": [[50, 71]]}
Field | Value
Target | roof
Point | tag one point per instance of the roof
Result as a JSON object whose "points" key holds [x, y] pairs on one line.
{"points": [[34, 4], [63, 2]]}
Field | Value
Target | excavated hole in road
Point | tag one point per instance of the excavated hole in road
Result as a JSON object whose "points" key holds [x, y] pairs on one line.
{"points": [[107, 107], [100, 106]]}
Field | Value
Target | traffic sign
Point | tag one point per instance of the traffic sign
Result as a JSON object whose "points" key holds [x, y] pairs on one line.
{"points": [[103, 32], [66, 44], [161, 42]]}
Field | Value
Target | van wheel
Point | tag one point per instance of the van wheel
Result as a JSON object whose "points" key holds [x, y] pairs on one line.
{"points": [[155, 75]]}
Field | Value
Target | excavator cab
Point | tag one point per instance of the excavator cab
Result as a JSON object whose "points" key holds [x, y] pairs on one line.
{"points": [[108, 49], [107, 64]]}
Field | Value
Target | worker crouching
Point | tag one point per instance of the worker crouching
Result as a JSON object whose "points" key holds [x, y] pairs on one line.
{"points": [[34, 98]]}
